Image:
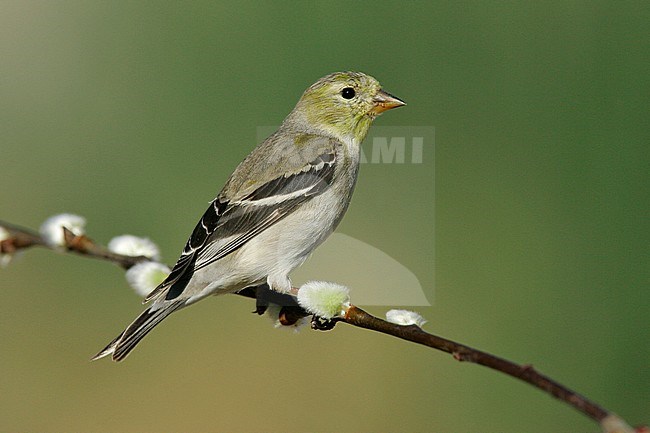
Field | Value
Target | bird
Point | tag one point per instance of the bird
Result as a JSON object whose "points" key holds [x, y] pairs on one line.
{"points": [[281, 202]]}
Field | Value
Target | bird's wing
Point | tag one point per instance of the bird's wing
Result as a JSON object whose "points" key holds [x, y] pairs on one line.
{"points": [[227, 225]]}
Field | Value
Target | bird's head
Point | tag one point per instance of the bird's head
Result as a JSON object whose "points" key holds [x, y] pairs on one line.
{"points": [[344, 104]]}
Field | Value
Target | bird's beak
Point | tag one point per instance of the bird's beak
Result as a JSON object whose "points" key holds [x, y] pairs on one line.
{"points": [[385, 101]]}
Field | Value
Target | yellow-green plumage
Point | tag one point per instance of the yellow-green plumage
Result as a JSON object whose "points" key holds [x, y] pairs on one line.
{"points": [[324, 108]]}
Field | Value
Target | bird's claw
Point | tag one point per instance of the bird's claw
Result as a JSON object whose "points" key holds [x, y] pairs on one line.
{"points": [[322, 324]]}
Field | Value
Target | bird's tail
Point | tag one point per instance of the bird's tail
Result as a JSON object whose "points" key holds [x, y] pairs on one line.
{"points": [[121, 346]]}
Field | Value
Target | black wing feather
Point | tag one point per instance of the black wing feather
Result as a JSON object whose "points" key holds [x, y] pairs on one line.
{"points": [[182, 272]]}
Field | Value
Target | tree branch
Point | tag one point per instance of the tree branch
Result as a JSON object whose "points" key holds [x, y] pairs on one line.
{"points": [[21, 238], [461, 352]]}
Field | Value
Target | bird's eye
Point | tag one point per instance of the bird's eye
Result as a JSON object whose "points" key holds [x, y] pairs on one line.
{"points": [[348, 93]]}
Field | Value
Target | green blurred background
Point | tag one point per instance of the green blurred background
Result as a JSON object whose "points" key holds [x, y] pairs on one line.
{"points": [[133, 114]]}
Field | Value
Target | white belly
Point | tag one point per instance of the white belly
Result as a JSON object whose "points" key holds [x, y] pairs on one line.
{"points": [[279, 250]]}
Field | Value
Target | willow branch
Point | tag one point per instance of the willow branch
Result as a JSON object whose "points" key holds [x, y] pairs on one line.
{"points": [[357, 317], [20, 238]]}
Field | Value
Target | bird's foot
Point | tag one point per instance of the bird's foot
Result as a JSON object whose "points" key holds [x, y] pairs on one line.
{"points": [[322, 324]]}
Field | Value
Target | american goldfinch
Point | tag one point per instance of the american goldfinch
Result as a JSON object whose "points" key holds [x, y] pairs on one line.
{"points": [[280, 203]]}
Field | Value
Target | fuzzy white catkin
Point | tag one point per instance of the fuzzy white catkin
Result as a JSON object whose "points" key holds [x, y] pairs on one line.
{"points": [[4, 258], [144, 277], [52, 229], [324, 299], [4, 234], [613, 424], [405, 318], [134, 246]]}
